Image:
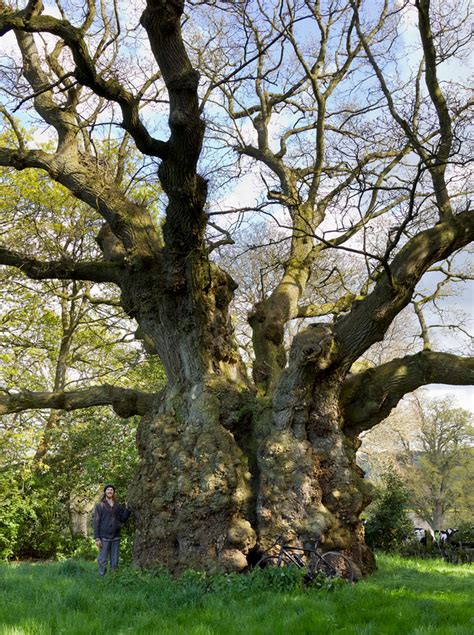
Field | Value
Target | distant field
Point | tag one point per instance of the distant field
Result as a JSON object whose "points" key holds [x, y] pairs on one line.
{"points": [[404, 596]]}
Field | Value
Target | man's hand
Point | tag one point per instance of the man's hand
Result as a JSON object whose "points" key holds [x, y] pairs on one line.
{"points": [[98, 542]]}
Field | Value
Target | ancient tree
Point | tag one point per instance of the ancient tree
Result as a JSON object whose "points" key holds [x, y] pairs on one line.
{"points": [[343, 111]]}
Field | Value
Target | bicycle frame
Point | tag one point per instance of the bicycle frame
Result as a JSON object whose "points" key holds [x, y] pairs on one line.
{"points": [[291, 553], [330, 563]]}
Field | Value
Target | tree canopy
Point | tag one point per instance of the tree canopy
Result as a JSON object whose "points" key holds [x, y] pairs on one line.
{"points": [[348, 122]]}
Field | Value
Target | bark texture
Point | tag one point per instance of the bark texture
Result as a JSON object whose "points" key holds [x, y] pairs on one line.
{"points": [[193, 505], [310, 486]]}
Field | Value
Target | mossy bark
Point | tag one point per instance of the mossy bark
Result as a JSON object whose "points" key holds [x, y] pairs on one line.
{"points": [[309, 484], [193, 494]]}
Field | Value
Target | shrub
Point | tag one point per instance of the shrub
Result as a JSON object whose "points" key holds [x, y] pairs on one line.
{"points": [[388, 524], [83, 548], [465, 534], [15, 512]]}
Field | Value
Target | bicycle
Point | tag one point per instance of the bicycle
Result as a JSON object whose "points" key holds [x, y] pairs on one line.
{"points": [[332, 563]]}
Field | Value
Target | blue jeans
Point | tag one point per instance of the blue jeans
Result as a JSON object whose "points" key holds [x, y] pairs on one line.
{"points": [[109, 550]]}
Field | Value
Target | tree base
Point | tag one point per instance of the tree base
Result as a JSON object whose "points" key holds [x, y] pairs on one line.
{"points": [[192, 494]]}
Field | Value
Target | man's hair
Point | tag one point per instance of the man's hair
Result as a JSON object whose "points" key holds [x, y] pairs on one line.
{"points": [[104, 497]]}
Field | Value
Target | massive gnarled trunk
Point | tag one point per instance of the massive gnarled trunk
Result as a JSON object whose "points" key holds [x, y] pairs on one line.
{"points": [[221, 476], [193, 495], [193, 505]]}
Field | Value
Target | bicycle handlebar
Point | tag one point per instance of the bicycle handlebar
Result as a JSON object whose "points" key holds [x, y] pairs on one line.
{"points": [[280, 541]]}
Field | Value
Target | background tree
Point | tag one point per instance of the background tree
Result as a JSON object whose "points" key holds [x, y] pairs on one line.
{"points": [[59, 335], [430, 444], [355, 155], [438, 465]]}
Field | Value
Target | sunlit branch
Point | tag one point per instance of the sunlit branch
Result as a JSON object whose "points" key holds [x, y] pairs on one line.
{"points": [[368, 397], [124, 401], [369, 319]]}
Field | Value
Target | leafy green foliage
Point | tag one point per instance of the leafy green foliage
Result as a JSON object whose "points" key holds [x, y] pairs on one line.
{"points": [[388, 524], [90, 448], [438, 469], [61, 335], [192, 585], [83, 548], [16, 513], [430, 442], [465, 534]]}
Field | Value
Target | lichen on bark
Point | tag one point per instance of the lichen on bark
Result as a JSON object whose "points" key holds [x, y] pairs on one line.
{"points": [[309, 485], [192, 503]]}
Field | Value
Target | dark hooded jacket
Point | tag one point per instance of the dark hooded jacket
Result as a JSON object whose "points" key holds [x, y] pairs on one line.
{"points": [[108, 520]]}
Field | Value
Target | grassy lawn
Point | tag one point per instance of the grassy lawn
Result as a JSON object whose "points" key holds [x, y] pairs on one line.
{"points": [[404, 596]]}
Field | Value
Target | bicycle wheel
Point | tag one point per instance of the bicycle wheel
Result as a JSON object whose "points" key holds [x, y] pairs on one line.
{"points": [[334, 564], [272, 561]]}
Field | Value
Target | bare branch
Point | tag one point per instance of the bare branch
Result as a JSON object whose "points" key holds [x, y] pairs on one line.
{"points": [[86, 73], [445, 125], [125, 402], [61, 270], [424, 327], [228, 240], [42, 90], [368, 397], [436, 161]]}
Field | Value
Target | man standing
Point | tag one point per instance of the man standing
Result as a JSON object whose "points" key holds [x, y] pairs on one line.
{"points": [[108, 518]]}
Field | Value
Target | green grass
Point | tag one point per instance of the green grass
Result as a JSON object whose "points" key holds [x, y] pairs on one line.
{"points": [[404, 596]]}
